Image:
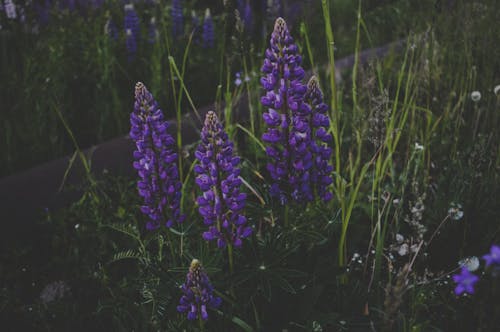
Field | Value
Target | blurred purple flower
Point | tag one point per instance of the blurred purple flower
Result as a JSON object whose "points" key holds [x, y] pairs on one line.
{"points": [[197, 293], [208, 35], [177, 18], [152, 31], [132, 30], [493, 257], [10, 9], [221, 203], [465, 281], [155, 162]]}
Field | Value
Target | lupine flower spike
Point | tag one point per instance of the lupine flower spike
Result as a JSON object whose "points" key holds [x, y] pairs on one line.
{"points": [[177, 18], [131, 25], [197, 293], [221, 203], [208, 34], [321, 169], [465, 281], [285, 113], [155, 162]]}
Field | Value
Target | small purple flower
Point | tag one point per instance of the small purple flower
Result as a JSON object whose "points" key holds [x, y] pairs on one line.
{"points": [[465, 281], [493, 257], [288, 133], [237, 80], [221, 203], [197, 293], [155, 162], [177, 18], [208, 34]]}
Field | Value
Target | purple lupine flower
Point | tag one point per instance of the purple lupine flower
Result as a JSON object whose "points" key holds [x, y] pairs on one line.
{"points": [[10, 9], [287, 130], [155, 162], [177, 18], [247, 17], [152, 31], [221, 203], [493, 257], [208, 34], [197, 293], [465, 281], [132, 30], [320, 173]]}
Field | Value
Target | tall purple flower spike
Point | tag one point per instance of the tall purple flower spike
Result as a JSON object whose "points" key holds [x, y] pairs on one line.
{"points": [[465, 281], [221, 203], [197, 293], [177, 18], [132, 30], [287, 132], [155, 162], [208, 34], [321, 170]]}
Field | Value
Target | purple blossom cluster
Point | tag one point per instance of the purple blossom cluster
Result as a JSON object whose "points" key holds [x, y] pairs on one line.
{"points": [[221, 203], [197, 293], [321, 169], [465, 280], [155, 162], [296, 122]]}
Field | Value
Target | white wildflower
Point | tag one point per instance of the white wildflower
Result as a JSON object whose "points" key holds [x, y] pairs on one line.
{"points": [[470, 263], [475, 96], [403, 250], [455, 211], [496, 89], [419, 147], [399, 238]]}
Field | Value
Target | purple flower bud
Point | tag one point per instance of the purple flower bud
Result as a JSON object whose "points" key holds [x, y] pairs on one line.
{"points": [[197, 293], [208, 35], [155, 162], [221, 202]]}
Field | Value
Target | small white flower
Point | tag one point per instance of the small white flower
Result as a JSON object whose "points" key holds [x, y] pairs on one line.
{"points": [[418, 147], [496, 89], [77, 226], [470, 263], [403, 250], [399, 238], [455, 211], [475, 96]]}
